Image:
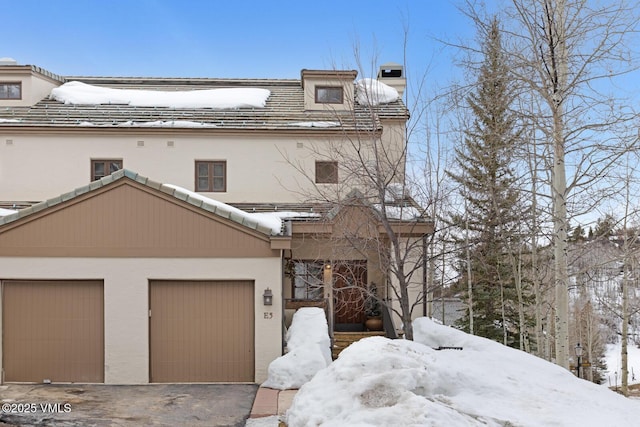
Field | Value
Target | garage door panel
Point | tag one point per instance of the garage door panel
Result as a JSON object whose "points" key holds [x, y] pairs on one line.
{"points": [[201, 331], [53, 330]]}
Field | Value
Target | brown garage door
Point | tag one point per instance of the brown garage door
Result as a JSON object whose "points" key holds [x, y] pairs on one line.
{"points": [[53, 330], [201, 331]]}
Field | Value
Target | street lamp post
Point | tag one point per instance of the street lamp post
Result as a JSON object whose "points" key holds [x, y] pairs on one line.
{"points": [[579, 356]]}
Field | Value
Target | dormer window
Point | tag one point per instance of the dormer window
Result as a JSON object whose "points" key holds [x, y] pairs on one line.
{"points": [[328, 90], [329, 95], [10, 90]]}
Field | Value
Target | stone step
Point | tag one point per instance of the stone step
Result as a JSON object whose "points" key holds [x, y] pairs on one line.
{"points": [[342, 340]]}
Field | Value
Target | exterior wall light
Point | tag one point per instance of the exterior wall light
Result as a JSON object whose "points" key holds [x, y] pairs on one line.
{"points": [[267, 296]]}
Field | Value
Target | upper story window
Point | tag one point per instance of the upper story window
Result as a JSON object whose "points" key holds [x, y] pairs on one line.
{"points": [[329, 95], [326, 172], [211, 176], [102, 167], [10, 90]]}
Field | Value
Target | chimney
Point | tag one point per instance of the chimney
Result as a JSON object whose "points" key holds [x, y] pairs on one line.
{"points": [[8, 61], [392, 74]]}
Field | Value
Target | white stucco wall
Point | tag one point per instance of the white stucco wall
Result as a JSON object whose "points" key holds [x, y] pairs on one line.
{"points": [[265, 169], [258, 169], [126, 301]]}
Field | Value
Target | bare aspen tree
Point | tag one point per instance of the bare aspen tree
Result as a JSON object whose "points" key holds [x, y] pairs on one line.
{"points": [[563, 51]]}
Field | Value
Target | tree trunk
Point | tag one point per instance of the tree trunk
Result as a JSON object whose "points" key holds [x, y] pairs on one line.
{"points": [[558, 49]]}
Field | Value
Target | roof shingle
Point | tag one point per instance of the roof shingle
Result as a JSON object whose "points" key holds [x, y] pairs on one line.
{"points": [[284, 110]]}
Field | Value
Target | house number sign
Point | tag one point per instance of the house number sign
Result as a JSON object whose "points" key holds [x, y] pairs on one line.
{"points": [[268, 315]]}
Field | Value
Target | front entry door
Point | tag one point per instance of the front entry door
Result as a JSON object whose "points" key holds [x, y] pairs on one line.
{"points": [[349, 294]]}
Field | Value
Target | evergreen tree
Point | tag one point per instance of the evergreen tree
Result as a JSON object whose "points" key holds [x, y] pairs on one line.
{"points": [[493, 213]]}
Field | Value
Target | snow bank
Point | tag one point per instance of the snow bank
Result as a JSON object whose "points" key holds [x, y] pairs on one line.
{"points": [[372, 92], [309, 351], [381, 382], [82, 93]]}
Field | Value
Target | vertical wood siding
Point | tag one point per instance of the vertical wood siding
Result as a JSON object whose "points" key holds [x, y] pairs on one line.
{"points": [[130, 220]]}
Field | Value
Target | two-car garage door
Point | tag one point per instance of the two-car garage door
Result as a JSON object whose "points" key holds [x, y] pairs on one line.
{"points": [[199, 331]]}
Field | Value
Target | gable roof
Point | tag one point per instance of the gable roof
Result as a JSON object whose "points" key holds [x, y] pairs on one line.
{"points": [[284, 110], [217, 208]]}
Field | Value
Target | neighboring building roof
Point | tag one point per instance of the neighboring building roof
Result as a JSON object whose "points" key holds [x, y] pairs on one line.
{"points": [[31, 68], [284, 110]]}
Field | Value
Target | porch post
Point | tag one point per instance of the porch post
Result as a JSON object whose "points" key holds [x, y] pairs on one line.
{"points": [[327, 281]]}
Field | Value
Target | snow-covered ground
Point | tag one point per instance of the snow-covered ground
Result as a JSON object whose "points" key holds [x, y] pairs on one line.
{"points": [[613, 359], [381, 382]]}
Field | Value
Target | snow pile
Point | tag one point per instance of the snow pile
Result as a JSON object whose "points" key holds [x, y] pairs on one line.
{"points": [[5, 212], [372, 92], [9, 121], [382, 382], [309, 351], [82, 93]]}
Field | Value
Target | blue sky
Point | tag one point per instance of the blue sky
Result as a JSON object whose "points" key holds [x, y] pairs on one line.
{"points": [[212, 38]]}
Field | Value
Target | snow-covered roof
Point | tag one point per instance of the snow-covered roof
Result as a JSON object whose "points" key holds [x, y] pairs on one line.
{"points": [[224, 98], [205, 104], [267, 223], [263, 220]]}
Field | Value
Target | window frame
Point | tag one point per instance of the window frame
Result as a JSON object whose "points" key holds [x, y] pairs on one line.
{"points": [[7, 84], [211, 164], [107, 168], [327, 178], [319, 100], [304, 281]]}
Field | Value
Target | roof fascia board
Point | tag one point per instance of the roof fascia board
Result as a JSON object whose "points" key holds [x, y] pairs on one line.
{"points": [[85, 130]]}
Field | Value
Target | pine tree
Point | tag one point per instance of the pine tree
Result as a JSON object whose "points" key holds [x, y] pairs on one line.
{"points": [[488, 186]]}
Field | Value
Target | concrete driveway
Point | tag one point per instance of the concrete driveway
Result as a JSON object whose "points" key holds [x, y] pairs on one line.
{"points": [[74, 405]]}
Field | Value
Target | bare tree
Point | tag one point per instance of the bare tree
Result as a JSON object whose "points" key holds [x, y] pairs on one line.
{"points": [[564, 51]]}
